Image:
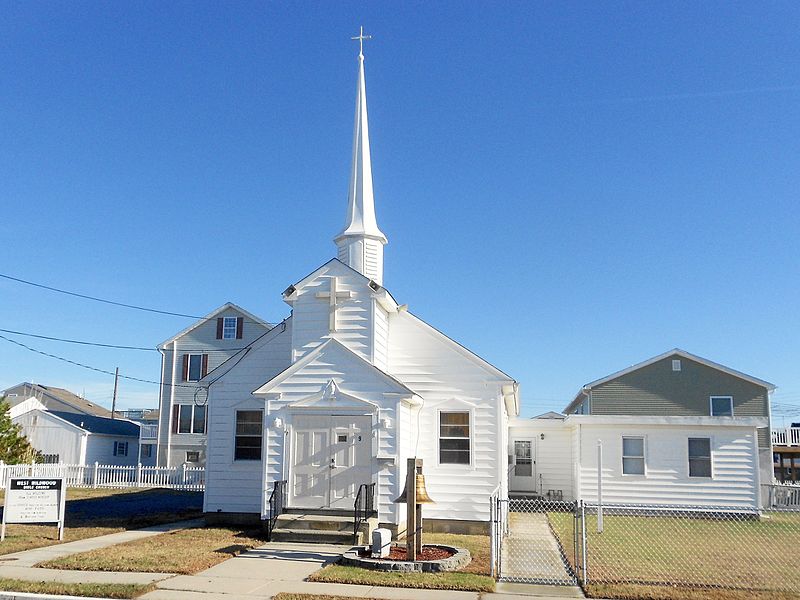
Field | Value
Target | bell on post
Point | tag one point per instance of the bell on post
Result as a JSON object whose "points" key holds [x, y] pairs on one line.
{"points": [[422, 493]]}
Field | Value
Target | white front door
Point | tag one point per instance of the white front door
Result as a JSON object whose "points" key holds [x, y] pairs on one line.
{"points": [[523, 475], [332, 457]]}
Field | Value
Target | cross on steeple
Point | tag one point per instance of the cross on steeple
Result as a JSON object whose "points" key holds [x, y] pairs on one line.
{"points": [[333, 296], [361, 37]]}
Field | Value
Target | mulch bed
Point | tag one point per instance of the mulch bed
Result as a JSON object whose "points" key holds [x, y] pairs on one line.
{"points": [[428, 553]]}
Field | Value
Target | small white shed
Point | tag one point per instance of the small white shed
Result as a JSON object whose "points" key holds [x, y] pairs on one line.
{"points": [[74, 438]]}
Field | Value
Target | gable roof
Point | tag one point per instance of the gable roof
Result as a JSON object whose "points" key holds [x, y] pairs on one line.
{"points": [[674, 352], [228, 305], [551, 414], [331, 343], [99, 425], [63, 396]]}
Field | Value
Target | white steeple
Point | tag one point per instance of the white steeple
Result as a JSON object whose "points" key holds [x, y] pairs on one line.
{"points": [[361, 243]]}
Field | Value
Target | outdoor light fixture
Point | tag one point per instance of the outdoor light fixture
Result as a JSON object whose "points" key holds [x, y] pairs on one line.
{"points": [[277, 423]]}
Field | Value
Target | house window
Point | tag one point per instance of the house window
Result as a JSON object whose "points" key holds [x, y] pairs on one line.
{"points": [[147, 450], [188, 418], [633, 455], [120, 448], [699, 457], [193, 456], [50, 459], [249, 424], [454, 440], [195, 367], [721, 406], [676, 365], [229, 328], [523, 460]]}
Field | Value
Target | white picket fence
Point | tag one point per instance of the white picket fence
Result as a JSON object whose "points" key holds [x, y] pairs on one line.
{"points": [[112, 476]]}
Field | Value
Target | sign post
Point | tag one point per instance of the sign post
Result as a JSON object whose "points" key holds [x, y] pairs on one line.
{"points": [[34, 500]]}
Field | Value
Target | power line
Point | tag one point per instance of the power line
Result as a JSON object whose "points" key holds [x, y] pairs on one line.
{"points": [[98, 370], [114, 302], [82, 342], [87, 297], [114, 346]]}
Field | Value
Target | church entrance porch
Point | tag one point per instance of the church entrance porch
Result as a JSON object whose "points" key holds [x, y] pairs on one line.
{"points": [[331, 458]]}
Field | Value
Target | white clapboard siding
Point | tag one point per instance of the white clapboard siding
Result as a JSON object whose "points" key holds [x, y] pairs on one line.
{"points": [[667, 481], [111, 476], [236, 486], [552, 453], [447, 380]]}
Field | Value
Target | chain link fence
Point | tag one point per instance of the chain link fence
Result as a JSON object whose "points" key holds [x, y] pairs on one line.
{"points": [[652, 551]]}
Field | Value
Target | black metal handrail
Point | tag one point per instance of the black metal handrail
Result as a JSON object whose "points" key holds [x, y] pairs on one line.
{"points": [[277, 502], [363, 507]]}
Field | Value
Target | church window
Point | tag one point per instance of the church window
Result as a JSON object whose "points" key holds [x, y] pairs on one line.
{"points": [[249, 429], [454, 438]]}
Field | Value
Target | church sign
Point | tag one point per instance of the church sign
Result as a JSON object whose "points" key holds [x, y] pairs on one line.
{"points": [[34, 500]]}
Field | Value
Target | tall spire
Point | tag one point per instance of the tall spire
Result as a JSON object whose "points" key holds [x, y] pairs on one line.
{"points": [[361, 241]]}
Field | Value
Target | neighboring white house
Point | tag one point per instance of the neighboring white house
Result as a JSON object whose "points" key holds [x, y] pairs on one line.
{"points": [[51, 398], [80, 439], [185, 359], [349, 386], [676, 429]]}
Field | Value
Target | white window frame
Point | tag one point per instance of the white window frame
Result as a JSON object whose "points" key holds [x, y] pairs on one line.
{"points": [[191, 431], [189, 367], [711, 405], [225, 321], [676, 365], [263, 428], [188, 452], [710, 457], [638, 436], [439, 438]]}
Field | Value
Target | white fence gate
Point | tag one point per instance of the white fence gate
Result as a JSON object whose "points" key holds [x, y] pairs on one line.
{"points": [[112, 476]]}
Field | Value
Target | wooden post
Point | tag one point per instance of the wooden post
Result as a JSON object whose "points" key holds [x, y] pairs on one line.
{"points": [[94, 476], [411, 509], [114, 397], [139, 475]]}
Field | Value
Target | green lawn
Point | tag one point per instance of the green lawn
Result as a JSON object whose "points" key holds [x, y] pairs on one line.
{"points": [[474, 576], [639, 557], [96, 590]]}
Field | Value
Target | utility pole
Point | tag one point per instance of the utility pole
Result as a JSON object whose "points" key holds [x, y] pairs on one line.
{"points": [[114, 397]]}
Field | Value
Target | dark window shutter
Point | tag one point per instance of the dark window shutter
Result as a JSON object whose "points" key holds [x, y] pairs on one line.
{"points": [[205, 366], [219, 328], [185, 367], [239, 327], [175, 418]]}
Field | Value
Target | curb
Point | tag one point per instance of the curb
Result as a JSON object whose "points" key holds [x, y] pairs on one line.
{"points": [[31, 596]]}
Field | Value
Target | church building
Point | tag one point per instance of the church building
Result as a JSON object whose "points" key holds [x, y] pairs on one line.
{"points": [[350, 385]]}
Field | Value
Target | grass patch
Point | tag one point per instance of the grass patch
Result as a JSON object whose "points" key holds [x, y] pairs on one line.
{"points": [[453, 580], [184, 552], [682, 558], [97, 590], [474, 577], [622, 591], [81, 524]]}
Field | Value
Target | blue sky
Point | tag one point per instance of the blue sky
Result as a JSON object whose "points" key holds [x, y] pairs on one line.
{"points": [[567, 188]]}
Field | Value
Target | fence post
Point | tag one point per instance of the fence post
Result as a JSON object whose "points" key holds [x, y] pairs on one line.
{"points": [[139, 475], [599, 486], [584, 568], [183, 477], [94, 475]]}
